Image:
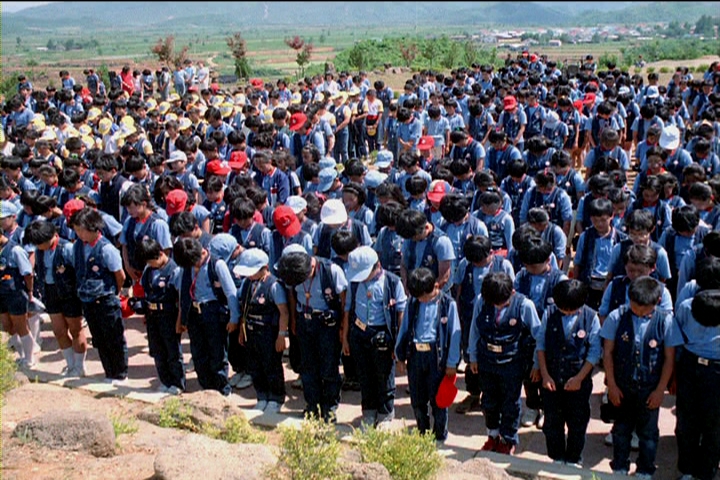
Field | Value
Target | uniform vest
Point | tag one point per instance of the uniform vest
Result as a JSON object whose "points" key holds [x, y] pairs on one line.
{"points": [[257, 302], [390, 252], [567, 184], [185, 299], [442, 342], [159, 290], [534, 121], [634, 371], [389, 302], [467, 291], [63, 270], [10, 279], [619, 267], [552, 279], [324, 246], [566, 355], [506, 343], [496, 229], [586, 262], [550, 205], [132, 240], [429, 258], [94, 280]]}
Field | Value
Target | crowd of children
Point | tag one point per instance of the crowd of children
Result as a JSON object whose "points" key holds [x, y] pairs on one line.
{"points": [[481, 223]]}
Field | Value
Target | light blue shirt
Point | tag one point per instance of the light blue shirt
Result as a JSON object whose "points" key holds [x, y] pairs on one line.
{"points": [[528, 315], [312, 285], [277, 291], [158, 231], [426, 324], [444, 251], [562, 202], [568, 323], [688, 290], [370, 307], [203, 289], [600, 257], [672, 336], [20, 259], [702, 341], [537, 285], [479, 273], [604, 310], [66, 252]]}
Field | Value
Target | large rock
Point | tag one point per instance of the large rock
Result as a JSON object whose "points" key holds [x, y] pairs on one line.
{"points": [[204, 407], [366, 471], [197, 456], [480, 468], [70, 430]]}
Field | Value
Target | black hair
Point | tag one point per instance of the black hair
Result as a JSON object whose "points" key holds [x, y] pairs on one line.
{"points": [[685, 218], [600, 206], [392, 191], [187, 252], [354, 168], [242, 209], [643, 255], [454, 207], [387, 214], [517, 168], [538, 215], [570, 295], [641, 220], [421, 281], [477, 248], [410, 223], [134, 164], [89, 219], [182, 223], [39, 232], [700, 191], [707, 276], [310, 170], [136, 194], [343, 241], [213, 184], [651, 182], [706, 308], [407, 160], [490, 197], [107, 163], [358, 190], [497, 288], [415, 185], [545, 178], [294, 268], [535, 251], [459, 166], [645, 291], [561, 159], [148, 249]]}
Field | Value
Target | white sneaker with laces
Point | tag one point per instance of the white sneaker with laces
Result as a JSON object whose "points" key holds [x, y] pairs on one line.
{"points": [[261, 405], [528, 417], [244, 381], [119, 382], [272, 407], [173, 390]]}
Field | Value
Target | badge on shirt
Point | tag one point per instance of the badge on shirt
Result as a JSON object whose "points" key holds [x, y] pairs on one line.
{"points": [[625, 337], [261, 299], [95, 268], [443, 320], [550, 300], [653, 343], [581, 334], [430, 259], [217, 284], [161, 284], [251, 244], [512, 322], [328, 291], [60, 269]]}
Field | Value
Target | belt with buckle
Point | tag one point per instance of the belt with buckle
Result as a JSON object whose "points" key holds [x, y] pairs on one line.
{"points": [[706, 362], [308, 314], [494, 348], [423, 347], [158, 306]]}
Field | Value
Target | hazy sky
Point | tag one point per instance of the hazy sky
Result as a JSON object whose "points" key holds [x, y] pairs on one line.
{"points": [[17, 6]]}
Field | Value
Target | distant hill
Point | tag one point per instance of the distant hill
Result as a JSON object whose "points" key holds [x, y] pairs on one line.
{"points": [[95, 16]]}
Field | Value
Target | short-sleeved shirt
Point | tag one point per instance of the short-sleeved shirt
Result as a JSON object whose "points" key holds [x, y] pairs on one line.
{"points": [[662, 265], [700, 340], [312, 286], [479, 273], [369, 308], [444, 251], [600, 257], [65, 251], [158, 231], [568, 323], [604, 310]]}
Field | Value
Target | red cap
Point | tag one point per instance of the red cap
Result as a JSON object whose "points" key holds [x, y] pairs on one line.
{"points": [[192, 88], [214, 87], [446, 392], [509, 102], [125, 308], [175, 202], [533, 58], [137, 290], [297, 120], [256, 82], [238, 160], [426, 143], [589, 98], [286, 221], [72, 207], [216, 167], [438, 190], [578, 104]]}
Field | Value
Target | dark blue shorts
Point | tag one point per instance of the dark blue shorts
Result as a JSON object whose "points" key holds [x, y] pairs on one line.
{"points": [[70, 307], [15, 303]]}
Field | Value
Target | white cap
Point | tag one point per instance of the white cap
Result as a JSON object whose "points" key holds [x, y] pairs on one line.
{"points": [[177, 156], [296, 203], [670, 138], [333, 212]]}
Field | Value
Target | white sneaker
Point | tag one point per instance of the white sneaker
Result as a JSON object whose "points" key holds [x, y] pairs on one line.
{"points": [[272, 407], [173, 390], [261, 405], [244, 381], [79, 372], [528, 417], [161, 389], [119, 382], [68, 372]]}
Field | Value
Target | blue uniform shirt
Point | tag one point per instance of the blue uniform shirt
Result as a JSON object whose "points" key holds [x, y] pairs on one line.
{"points": [[568, 322], [67, 254], [370, 308], [312, 285], [672, 335], [158, 231], [662, 265], [204, 292], [701, 341], [479, 273], [604, 310]]}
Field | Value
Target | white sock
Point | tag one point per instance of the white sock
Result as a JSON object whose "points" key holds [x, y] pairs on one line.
{"points": [[34, 326], [28, 346], [495, 432], [15, 342], [79, 363], [68, 354]]}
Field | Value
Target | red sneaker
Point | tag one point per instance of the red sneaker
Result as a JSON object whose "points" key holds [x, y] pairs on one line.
{"points": [[505, 447], [491, 444]]}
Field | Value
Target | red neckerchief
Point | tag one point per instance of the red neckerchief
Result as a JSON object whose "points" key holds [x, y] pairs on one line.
{"points": [[55, 243], [646, 204], [144, 219], [92, 244]]}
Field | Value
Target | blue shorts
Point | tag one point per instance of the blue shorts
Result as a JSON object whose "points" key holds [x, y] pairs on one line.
{"points": [[15, 303], [69, 307]]}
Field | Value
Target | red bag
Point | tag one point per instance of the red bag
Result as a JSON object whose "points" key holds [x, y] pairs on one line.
{"points": [[446, 392]]}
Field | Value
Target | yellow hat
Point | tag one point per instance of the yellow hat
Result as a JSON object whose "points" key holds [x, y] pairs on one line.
{"points": [[2, 136], [226, 109], [202, 109], [128, 121], [342, 95], [217, 100], [49, 134], [93, 113], [88, 141], [105, 126], [163, 108], [174, 97], [151, 104], [184, 123], [85, 130], [38, 126], [354, 92], [296, 98], [195, 97], [127, 130], [171, 116], [240, 99]]}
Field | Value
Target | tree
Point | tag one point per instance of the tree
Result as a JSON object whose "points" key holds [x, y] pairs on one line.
{"points": [[238, 49], [69, 44], [51, 45], [408, 51], [359, 56], [18, 40], [470, 53], [430, 51], [303, 52], [164, 50], [452, 55]]}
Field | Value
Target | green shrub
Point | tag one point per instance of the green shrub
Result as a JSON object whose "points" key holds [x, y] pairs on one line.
{"points": [[408, 455], [238, 430], [7, 369], [701, 68], [650, 70], [174, 414], [665, 70], [123, 426], [309, 453]]}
